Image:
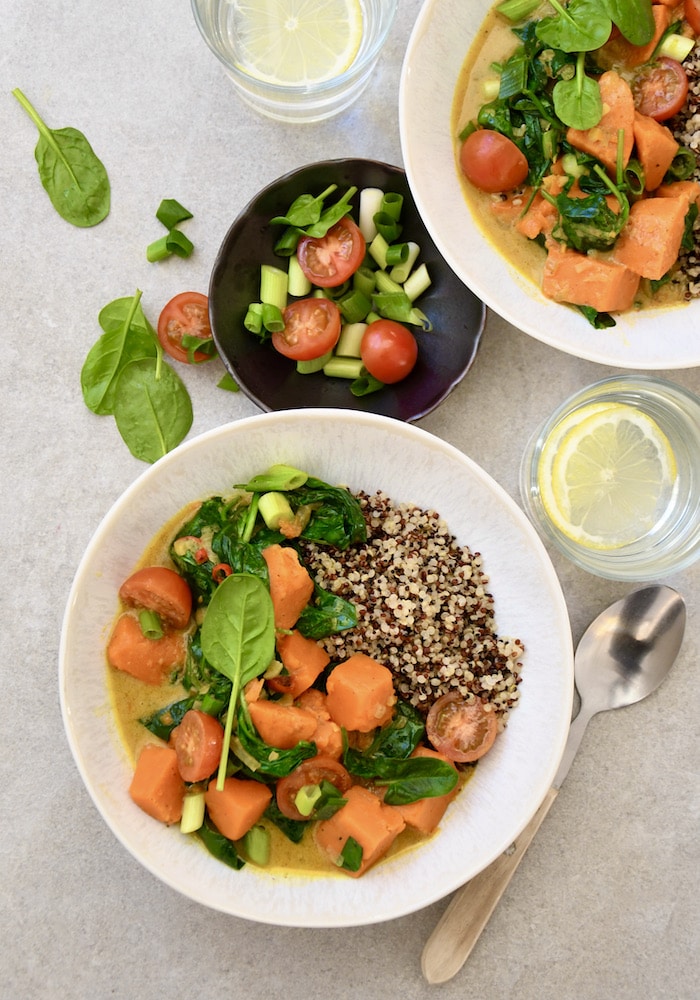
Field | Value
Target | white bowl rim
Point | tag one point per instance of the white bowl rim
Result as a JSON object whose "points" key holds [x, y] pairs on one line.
{"points": [[652, 339], [384, 892]]}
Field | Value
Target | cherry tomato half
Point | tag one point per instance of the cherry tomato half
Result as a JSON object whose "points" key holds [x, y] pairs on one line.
{"points": [[310, 772], [162, 590], [388, 350], [198, 741], [187, 314], [330, 260], [660, 89], [492, 161], [461, 730], [311, 329], [692, 14]]}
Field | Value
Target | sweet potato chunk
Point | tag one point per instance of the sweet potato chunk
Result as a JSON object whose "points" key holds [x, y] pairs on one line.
{"points": [[156, 786], [618, 114], [327, 736], [304, 659], [150, 660], [576, 278], [425, 814], [689, 191], [360, 693], [281, 726], [367, 820], [650, 242], [656, 148], [238, 806], [291, 586]]}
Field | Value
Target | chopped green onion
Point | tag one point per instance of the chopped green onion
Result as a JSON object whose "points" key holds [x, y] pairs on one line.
{"points": [[277, 477], [158, 250], [386, 284], [253, 318], [256, 845], [490, 88], [389, 228], [228, 383], [273, 286], [171, 212], [396, 253], [297, 282], [675, 46], [417, 282], [634, 178], [192, 812], [314, 364], [343, 368], [178, 243], [350, 340], [517, 10], [272, 318], [377, 250], [286, 245], [306, 798], [274, 507], [364, 279], [370, 204], [351, 855], [392, 203], [150, 624], [354, 306], [365, 385], [199, 345], [400, 272], [572, 166]]}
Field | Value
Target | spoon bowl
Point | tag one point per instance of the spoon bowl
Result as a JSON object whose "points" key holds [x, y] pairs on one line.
{"points": [[623, 655]]}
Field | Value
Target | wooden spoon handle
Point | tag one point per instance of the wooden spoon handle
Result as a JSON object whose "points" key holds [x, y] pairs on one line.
{"points": [[458, 930]]}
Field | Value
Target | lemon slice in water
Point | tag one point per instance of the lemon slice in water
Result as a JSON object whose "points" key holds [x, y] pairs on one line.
{"points": [[297, 42], [606, 475]]}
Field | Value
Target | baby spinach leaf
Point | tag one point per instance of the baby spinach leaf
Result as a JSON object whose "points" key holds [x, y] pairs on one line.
{"points": [[577, 102], [128, 336], [580, 27], [634, 18], [152, 408], [416, 778], [72, 175], [326, 614], [219, 846], [238, 632], [162, 722]]}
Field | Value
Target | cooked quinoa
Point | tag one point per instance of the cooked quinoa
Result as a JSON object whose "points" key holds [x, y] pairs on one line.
{"points": [[686, 130], [424, 608]]}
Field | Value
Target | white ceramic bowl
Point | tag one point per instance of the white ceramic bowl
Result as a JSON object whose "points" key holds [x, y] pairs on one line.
{"points": [[437, 49], [408, 464]]}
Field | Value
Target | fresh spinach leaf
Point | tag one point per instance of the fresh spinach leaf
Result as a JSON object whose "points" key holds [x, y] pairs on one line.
{"points": [[162, 722], [272, 761], [577, 102], [581, 26], [351, 855], [293, 829], [152, 408], [128, 336], [219, 846], [634, 18], [304, 210], [326, 614], [416, 778], [71, 173]]}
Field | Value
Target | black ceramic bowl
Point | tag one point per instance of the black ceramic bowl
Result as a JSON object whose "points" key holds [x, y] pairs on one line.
{"points": [[445, 353]]}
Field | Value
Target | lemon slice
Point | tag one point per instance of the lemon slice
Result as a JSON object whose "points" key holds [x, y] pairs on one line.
{"points": [[297, 42], [606, 475]]}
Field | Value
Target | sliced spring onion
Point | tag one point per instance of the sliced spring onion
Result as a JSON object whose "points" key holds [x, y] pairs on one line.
{"points": [[228, 383], [354, 306], [517, 10], [277, 477], [377, 250], [364, 279], [675, 46], [490, 88], [386, 284], [158, 250], [314, 365], [350, 340], [192, 812], [396, 253], [400, 272], [417, 282], [272, 319], [370, 204], [306, 798], [178, 243], [256, 845], [389, 228], [253, 318], [273, 286], [274, 507], [150, 624], [343, 367], [392, 203], [365, 385], [171, 212], [297, 282]]}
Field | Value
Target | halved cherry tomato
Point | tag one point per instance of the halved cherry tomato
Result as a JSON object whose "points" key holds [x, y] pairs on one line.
{"points": [[328, 261], [660, 89], [310, 772], [198, 740], [461, 730], [162, 590], [492, 161], [187, 314], [311, 329], [692, 14], [389, 350]]}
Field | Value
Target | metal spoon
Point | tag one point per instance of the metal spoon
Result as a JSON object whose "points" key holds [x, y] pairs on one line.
{"points": [[622, 657]]}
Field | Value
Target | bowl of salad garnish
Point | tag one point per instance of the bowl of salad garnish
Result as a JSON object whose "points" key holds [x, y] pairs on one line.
{"points": [[316, 668], [552, 151], [328, 291]]}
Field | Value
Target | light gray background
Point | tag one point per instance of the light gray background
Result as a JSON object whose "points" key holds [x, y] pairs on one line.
{"points": [[605, 902]]}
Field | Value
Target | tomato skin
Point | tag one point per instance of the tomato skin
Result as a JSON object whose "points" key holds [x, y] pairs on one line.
{"points": [[198, 741], [492, 161], [186, 313], [161, 590], [328, 261], [660, 89], [692, 14], [389, 350], [311, 329], [461, 730], [310, 772]]}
